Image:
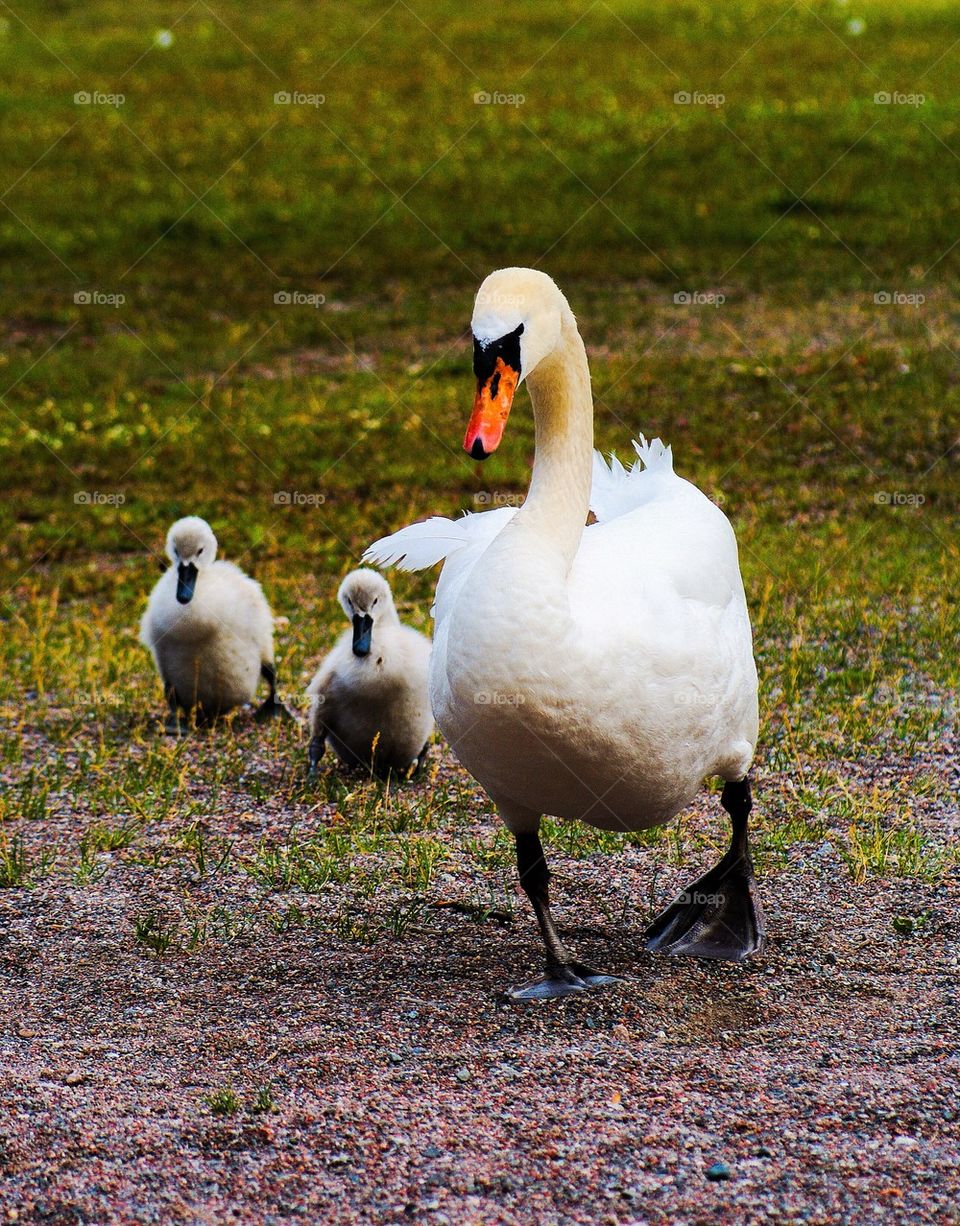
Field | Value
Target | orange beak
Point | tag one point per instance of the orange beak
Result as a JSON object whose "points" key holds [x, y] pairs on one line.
{"points": [[491, 408]]}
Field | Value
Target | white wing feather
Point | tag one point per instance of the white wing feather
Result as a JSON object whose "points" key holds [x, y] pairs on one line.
{"points": [[617, 490], [420, 545], [433, 540], [458, 543]]}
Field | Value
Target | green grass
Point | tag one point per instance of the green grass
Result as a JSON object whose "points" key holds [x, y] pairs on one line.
{"points": [[16, 864], [823, 420], [154, 932], [224, 1101]]}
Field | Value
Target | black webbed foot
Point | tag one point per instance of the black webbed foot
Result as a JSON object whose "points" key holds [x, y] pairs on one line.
{"points": [[565, 980], [719, 915]]}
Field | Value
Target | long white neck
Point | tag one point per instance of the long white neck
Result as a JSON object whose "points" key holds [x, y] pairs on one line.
{"points": [[558, 499]]}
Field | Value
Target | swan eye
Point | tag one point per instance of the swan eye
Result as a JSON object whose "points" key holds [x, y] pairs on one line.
{"points": [[375, 599], [199, 551]]}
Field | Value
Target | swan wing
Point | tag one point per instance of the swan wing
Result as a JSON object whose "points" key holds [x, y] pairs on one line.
{"points": [[418, 546], [617, 490], [672, 547], [424, 544], [458, 543]]}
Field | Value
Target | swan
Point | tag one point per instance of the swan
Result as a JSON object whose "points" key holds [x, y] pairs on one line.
{"points": [[369, 698], [600, 672], [209, 629]]}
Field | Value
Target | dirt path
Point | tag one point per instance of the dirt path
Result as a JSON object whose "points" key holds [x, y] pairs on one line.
{"points": [[823, 1077]]}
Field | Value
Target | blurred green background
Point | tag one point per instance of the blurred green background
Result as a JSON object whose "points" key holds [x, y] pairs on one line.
{"points": [[198, 161]]}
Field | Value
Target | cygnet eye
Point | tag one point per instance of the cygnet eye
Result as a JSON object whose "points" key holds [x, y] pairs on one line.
{"points": [[199, 551], [375, 599]]}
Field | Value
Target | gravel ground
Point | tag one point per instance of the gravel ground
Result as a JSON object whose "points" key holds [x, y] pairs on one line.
{"points": [[816, 1084]]}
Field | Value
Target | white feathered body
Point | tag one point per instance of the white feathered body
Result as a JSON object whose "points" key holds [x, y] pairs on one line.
{"points": [[211, 649], [608, 692], [380, 699]]}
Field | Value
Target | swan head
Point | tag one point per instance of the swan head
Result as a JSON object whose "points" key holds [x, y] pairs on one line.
{"points": [[191, 547], [366, 599], [516, 324]]}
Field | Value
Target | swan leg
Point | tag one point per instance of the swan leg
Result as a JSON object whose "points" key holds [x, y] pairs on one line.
{"points": [[271, 707], [719, 916], [172, 725], [315, 751], [564, 976]]}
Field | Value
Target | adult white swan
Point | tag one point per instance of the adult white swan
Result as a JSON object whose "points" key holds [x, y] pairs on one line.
{"points": [[595, 673]]}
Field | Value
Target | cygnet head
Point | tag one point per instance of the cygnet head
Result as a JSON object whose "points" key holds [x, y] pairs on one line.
{"points": [[191, 547], [366, 599], [516, 323]]}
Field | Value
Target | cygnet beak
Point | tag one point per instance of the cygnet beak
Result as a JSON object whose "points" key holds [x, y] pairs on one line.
{"points": [[362, 633]]}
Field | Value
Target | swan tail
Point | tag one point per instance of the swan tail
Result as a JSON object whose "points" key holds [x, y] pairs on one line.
{"points": [[617, 490], [420, 545]]}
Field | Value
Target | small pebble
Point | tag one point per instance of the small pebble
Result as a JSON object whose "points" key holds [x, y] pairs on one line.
{"points": [[75, 1079], [463, 1074], [718, 1172]]}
